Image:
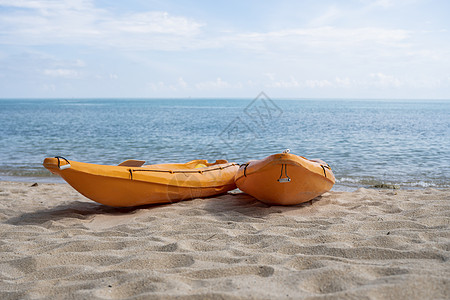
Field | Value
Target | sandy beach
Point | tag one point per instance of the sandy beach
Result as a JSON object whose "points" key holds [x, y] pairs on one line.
{"points": [[367, 244]]}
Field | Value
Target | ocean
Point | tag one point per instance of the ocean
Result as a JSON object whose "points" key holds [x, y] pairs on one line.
{"points": [[366, 142]]}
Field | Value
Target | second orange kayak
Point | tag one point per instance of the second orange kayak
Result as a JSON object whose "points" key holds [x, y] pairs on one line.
{"points": [[285, 179]]}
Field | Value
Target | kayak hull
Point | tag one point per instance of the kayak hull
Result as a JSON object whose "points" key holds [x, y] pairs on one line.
{"points": [[285, 179], [124, 186]]}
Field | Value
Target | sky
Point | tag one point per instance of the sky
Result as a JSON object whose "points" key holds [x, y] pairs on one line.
{"points": [[365, 49]]}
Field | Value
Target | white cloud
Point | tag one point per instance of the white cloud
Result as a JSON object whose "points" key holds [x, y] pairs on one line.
{"points": [[318, 83], [293, 83], [160, 86], [285, 83], [49, 87], [344, 82], [69, 22], [182, 83], [385, 81], [80, 63], [373, 80], [81, 23], [66, 73], [271, 76], [152, 22], [328, 36], [216, 84]]}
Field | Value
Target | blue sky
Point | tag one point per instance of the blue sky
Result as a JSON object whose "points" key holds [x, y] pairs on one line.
{"points": [[288, 49]]}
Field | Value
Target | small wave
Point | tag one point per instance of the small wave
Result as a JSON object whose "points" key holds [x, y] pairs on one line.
{"points": [[53, 179], [41, 172], [373, 182]]}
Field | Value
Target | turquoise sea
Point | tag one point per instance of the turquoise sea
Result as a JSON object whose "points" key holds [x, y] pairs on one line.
{"points": [[366, 142]]}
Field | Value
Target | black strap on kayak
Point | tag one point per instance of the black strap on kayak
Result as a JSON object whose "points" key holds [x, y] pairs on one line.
{"points": [[182, 171], [245, 169], [287, 178], [131, 174], [324, 172], [59, 160]]}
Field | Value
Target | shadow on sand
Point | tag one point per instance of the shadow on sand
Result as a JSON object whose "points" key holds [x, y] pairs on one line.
{"points": [[236, 206], [76, 209], [240, 207]]}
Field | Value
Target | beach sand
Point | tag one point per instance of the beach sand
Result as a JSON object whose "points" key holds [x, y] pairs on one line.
{"points": [[367, 244]]}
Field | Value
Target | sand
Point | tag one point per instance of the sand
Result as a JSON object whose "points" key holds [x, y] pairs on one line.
{"points": [[367, 244]]}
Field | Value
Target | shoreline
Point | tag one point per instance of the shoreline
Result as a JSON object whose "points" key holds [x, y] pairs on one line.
{"points": [[382, 244], [338, 187]]}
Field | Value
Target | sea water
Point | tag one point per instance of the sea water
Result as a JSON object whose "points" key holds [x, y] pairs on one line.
{"points": [[366, 142]]}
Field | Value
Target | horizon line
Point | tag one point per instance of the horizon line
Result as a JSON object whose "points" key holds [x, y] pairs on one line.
{"points": [[222, 98]]}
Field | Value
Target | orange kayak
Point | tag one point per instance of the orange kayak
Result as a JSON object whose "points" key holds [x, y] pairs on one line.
{"points": [[285, 179], [131, 183]]}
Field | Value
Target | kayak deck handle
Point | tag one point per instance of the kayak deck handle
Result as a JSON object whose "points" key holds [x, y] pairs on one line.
{"points": [[63, 167], [286, 178], [283, 180]]}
